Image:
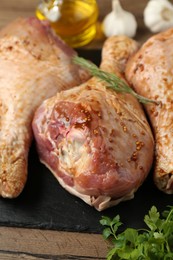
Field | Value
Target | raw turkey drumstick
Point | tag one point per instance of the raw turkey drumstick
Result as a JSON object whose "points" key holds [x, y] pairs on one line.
{"points": [[150, 72], [34, 65], [97, 143]]}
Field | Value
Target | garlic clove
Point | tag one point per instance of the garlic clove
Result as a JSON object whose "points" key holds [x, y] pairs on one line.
{"points": [[119, 22], [158, 15], [51, 13]]}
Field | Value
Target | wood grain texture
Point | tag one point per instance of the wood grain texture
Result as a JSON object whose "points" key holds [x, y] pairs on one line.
{"points": [[45, 244]]}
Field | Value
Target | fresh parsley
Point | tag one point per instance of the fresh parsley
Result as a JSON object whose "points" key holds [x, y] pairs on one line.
{"points": [[153, 243]]}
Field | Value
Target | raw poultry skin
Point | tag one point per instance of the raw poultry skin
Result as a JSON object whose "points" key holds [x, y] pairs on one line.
{"points": [[150, 72], [96, 142], [34, 65]]}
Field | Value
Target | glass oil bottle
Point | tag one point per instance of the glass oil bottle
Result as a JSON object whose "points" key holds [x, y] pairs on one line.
{"points": [[73, 20]]}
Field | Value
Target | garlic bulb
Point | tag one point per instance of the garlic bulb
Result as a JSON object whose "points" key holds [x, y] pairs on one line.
{"points": [[158, 15], [119, 22]]}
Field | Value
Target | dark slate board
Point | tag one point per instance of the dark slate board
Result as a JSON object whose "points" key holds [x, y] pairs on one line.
{"points": [[45, 204]]}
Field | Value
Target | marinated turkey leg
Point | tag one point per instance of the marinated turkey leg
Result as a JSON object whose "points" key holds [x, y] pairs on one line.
{"points": [[150, 72], [97, 143], [34, 65]]}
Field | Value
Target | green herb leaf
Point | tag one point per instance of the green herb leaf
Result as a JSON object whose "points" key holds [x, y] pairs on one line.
{"points": [[105, 221], [152, 218], [154, 243], [113, 81], [131, 235], [107, 233]]}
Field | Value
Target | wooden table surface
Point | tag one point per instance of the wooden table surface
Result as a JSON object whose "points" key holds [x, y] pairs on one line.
{"points": [[21, 243]]}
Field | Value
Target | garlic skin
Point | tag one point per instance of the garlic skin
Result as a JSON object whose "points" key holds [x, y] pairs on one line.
{"points": [[119, 22], [158, 15]]}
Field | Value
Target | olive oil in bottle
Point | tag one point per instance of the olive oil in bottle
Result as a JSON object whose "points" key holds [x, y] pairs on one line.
{"points": [[73, 20]]}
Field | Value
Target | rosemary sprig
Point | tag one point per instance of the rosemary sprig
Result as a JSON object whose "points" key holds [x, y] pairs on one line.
{"points": [[113, 81]]}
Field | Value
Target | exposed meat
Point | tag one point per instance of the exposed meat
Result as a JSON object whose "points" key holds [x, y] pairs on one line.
{"points": [[34, 65], [96, 142], [150, 71]]}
